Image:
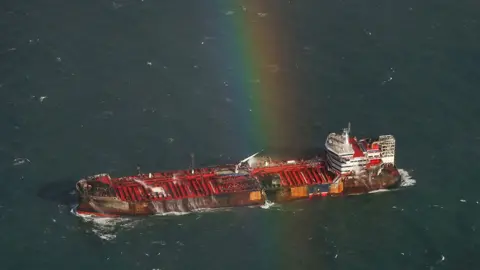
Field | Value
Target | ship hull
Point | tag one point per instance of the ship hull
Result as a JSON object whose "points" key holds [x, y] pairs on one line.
{"points": [[389, 179], [113, 207]]}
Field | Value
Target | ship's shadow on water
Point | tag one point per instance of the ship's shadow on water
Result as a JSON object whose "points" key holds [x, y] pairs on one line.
{"points": [[60, 191]]}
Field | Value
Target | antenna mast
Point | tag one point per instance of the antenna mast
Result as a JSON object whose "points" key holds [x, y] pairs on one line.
{"points": [[192, 155], [346, 133]]}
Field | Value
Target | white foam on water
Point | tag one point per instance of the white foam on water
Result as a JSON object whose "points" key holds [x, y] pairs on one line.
{"points": [[20, 161], [406, 180], [194, 211], [379, 191], [267, 204], [173, 214], [106, 227], [212, 210]]}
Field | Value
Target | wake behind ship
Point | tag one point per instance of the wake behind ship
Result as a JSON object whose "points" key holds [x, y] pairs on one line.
{"points": [[347, 166]]}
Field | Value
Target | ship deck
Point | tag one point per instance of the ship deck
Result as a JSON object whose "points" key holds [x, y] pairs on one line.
{"points": [[215, 181]]}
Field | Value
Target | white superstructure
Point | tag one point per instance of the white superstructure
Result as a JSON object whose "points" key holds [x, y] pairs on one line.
{"points": [[346, 154], [387, 146]]}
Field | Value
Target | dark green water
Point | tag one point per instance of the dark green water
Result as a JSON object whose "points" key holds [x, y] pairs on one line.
{"points": [[408, 68]]}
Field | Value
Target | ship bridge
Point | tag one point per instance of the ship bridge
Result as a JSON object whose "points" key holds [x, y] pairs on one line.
{"points": [[344, 153], [339, 144]]}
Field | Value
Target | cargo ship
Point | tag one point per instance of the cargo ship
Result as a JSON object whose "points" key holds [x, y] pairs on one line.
{"points": [[347, 165]]}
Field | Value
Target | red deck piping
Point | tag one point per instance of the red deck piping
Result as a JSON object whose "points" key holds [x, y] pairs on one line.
{"points": [[204, 182]]}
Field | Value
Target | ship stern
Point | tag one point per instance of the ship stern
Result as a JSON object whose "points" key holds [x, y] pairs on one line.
{"points": [[381, 178], [392, 176]]}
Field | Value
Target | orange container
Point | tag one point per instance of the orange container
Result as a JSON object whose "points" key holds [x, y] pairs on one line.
{"points": [[336, 188], [298, 192], [255, 196]]}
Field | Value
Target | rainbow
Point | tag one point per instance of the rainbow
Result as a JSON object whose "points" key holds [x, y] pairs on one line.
{"points": [[255, 49]]}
